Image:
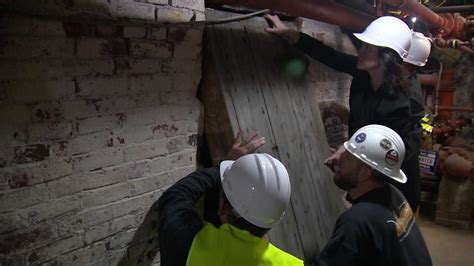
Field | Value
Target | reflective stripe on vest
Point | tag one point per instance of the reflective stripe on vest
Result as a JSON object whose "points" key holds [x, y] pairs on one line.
{"points": [[231, 246]]}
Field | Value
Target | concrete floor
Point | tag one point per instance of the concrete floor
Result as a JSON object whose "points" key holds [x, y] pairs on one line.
{"points": [[448, 247]]}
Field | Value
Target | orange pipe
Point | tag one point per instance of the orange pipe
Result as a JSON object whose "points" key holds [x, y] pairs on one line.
{"points": [[329, 12]]}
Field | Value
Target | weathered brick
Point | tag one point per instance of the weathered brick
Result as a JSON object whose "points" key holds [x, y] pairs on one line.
{"points": [[158, 2], [96, 48], [109, 31], [47, 112], [98, 160], [99, 123], [26, 239], [137, 169], [150, 48], [95, 216], [182, 159], [132, 135], [31, 69], [179, 173], [56, 249], [149, 183], [90, 67], [194, 36], [145, 150], [149, 115], [121, 240], [102, 177], [146, 66], [157, 33], [168, 14], [133, 10], [30, 47], [90, 107], [63, 186], [105, 195], [159, 165], [82, 144], [38, 90], [134, 205], [19, 177], [97, 87], [15, 24], [49, 210], [17, 114], [186, 51], [191, 4], [22, 198], [10, 222], [177, 144], [49, 131], [30, 153], [110, 228], [134, 32], [90, 255]]}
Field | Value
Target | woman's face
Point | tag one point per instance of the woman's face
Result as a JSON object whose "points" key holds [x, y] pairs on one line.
{"points": [[367, 57]]}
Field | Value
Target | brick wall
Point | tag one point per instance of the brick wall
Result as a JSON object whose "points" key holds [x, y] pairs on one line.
{"points": [[96, 121]]}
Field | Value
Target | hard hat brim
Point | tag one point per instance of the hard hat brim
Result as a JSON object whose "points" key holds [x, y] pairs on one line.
{"points": [[400, 177], [361, 36], [224, 166]]}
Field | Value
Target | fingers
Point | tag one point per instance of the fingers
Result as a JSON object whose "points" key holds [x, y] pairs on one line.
{"points": [[255, 144], [249, 138], [238, 140]]}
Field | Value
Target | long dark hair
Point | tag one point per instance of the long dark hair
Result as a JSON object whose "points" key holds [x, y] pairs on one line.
{"points": [[393, 81], [241, 223]]}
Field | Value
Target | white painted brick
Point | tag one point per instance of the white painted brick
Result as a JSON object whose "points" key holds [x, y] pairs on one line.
{"points": [[90, 67], [157, 33], [10, 222], [96, 216], [57, 248], [159, 165], [191, 4], [89, 107], [134, 32], [22, 198], [49, 131], [132, 10], [145, 150], [98, 87], [158, 2], [30, 47], [38, 90], [87, 256], [146, 66], [63, 186], [169, 14], [182, 159], [137, 169], [177, 144], [105, 195], [31, 69], [96, 48], [17, 114], [149, 115], [133, 205], [47, 112], [82, 144], [110, 228], [49, 210], [103, 177], [121, 240], [179, 173], [98, 159], [99, 123], [138, 134], [150, 48], [148, 183]]}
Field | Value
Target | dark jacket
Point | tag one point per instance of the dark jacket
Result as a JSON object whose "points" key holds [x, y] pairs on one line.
{"points": [[179, 222], [368, 106], [379, 229]]}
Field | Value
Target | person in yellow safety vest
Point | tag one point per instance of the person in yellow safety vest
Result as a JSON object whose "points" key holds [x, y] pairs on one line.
{"points": [[255, 191]]}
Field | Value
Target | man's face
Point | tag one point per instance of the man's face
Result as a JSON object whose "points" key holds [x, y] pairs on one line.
{"points": [[347, 169]]}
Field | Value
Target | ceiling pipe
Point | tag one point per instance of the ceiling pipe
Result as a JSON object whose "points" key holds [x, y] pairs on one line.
{"points": [[329, 12], [445, 9], [444, 24]]}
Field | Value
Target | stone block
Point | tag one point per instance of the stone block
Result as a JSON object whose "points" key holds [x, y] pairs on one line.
{"points": [[132, 10], [197, 5]]}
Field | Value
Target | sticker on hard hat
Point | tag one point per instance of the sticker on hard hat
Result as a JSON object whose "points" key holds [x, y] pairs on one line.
{"points": [[360, 137], [391, 158], [385, 144]]}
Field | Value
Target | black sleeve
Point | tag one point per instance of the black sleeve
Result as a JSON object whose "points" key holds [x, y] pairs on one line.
{"points": [[327, 55], [178, 220], [342, 248]]}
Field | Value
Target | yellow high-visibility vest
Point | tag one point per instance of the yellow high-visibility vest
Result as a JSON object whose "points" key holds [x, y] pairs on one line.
{"points": [[230, 246]]}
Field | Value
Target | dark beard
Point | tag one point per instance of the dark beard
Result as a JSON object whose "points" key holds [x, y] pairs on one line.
{"points": [[343, 184]]}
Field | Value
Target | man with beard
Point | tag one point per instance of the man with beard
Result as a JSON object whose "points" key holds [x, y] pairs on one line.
{"points": [[379, 228]]}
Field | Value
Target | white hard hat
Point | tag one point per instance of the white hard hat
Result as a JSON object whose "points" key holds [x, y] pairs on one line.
{"points": [[258, 188], [389, 32], [419, 50], [381, 148]]}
